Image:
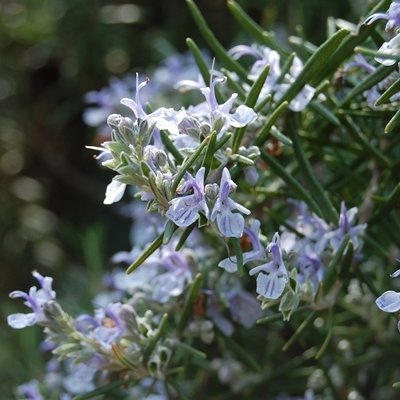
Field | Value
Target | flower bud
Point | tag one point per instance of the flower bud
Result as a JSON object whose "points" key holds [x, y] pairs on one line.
{"points": [[113, 120], [211, 190], [126, 126]]}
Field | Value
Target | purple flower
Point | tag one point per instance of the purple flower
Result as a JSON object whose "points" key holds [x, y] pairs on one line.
{"points": [[311, 269], [241, 117], [256, 253], [392, 16], [36, 299], [264, 56], [185, 210], [244, 308], [162, 118], [230, 223], [272, 276], [30, 391], [346, 220], [302, 99], [172, 282]]}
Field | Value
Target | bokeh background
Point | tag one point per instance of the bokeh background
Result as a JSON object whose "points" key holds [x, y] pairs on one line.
{"points": [[52, 52]]}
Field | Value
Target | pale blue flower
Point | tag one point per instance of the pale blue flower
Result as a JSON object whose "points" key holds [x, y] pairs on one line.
{"points": [[173, 282], [36, 299], [264, 56], [162, 118], [311, 269], [244, 308], [346, 221], [389, 301], [30, 391], [390, 48], [301, 100], [274, 82], [114, 191], [392, 16], [256, 253], [79, 378], [241, 117], [185, 210], [230, 223], [272, 276]]}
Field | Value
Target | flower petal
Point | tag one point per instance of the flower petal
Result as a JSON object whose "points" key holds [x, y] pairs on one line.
{"points": [[242, 116], [271, 286], [114, 192], [230, 224], [19, 320], [389, 301]]}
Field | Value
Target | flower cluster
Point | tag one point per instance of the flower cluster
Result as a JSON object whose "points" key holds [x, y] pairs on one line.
{"points": [[239, 217]]}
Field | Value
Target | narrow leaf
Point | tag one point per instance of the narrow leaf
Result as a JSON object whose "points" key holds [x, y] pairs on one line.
{"points": [[156, 244], [332, 272], [314, 65], [254, 29], [184, 236], [265, 130], [154, 340], [298, 188], [371, 80], [250, 101], [191, 298], [324, 112], [300, 330], [317, 191], [209, 156], [328, 338], [387, 206], [188, 163], [278, 135], [393, 89], [171, 147], [213, 42], [393, 123], [242, 354]]}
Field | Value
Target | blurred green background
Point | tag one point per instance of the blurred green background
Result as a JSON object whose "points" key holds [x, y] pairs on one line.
{"points": [[51, 190]]}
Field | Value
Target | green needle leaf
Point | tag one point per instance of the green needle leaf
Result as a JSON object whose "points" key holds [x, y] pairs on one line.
{"points": [[314, 65], [317, 191], [328, 338], [191, 298], [298, 188], [332, 272], [300, 330], [393, 123], [213, 42], [188, 163], [387, 206], [154, 340], [171, 147], [146, 254], [265, 130], [377, 76], [254, 29], [394, 88]]}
